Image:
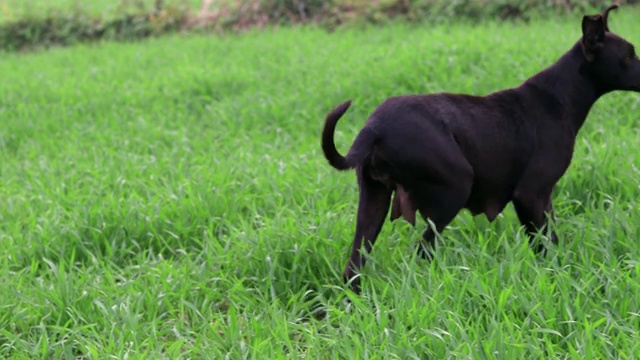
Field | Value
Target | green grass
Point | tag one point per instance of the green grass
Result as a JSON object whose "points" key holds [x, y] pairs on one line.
{"points": [[169, 199]]}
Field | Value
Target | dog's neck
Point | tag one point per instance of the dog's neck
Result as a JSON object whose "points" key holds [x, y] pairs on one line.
{"points": [[567, 83]]}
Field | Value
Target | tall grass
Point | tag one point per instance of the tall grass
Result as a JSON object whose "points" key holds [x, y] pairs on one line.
{"points": [[169, 200]]}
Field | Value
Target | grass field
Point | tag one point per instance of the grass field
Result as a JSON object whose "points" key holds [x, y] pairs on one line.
{"points": [[169, 199]]}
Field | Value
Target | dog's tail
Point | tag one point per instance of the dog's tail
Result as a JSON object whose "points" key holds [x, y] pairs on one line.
{"points": [[328, 145]]}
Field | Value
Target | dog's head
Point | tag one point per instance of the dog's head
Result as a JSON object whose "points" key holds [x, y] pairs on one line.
{"points": [[609, 58]]}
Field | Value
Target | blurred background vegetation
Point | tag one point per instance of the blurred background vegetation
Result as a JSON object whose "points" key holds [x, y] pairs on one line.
{"points": [[25, 24]]}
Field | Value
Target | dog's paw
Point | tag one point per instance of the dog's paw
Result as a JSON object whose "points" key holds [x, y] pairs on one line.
{"points": [[425, 252], [352, 280]]}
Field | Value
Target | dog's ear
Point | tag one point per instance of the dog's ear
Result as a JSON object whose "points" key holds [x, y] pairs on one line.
{"points": [[593, 29]]}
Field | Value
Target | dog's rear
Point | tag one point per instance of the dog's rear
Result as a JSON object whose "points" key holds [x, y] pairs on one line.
{"points": [[401, 153]]}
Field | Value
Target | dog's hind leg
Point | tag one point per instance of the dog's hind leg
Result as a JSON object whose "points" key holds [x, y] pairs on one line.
{"points": [[438, 179], [440, 205], [373, 206]]}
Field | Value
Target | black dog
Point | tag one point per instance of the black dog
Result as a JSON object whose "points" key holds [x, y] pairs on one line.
{"points": [[444, 152]]}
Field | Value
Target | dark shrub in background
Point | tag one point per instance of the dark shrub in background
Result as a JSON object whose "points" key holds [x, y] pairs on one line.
{"points": [[134, 20]]}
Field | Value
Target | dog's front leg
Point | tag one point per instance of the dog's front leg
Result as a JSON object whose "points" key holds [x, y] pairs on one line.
{"points": [[534, 211]]}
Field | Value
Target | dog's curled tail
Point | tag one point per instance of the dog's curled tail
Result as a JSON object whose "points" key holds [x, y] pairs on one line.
{"points": [[328, 145]]}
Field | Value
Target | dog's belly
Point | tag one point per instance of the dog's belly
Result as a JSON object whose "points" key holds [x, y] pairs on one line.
{"points": [[403, 205], [489, 203], [491, 209]]}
